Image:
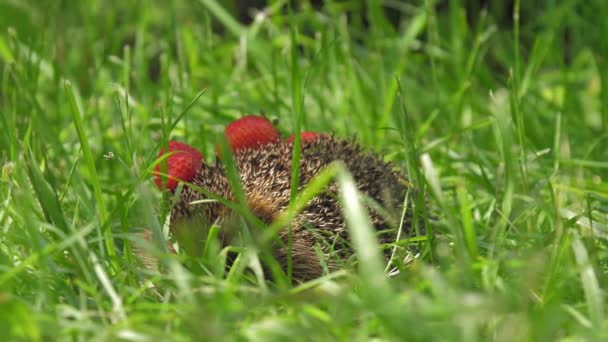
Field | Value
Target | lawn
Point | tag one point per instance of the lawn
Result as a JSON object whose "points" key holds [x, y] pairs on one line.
{"points": [[498, 115]]}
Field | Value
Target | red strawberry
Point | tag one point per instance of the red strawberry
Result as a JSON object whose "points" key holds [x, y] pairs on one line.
{"points": [[182, 164], [305, 136], [251, 131]]}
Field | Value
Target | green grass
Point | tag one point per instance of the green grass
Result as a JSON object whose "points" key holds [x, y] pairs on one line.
{"points": [[502, 123]]}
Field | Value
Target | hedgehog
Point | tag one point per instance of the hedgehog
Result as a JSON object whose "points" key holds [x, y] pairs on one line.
{"points": [[264, 166]]}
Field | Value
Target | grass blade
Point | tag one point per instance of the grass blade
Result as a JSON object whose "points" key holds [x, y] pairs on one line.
{"points": [[589, 281], [90, 161]]}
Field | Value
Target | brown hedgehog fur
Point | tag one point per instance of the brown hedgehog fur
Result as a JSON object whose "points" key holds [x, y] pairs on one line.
{"points": [[265, 176]]}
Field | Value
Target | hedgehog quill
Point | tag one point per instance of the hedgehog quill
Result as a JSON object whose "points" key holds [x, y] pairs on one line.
{"points": [[263, 163]]}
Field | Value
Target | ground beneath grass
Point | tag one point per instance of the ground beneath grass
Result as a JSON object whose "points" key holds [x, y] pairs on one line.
{"points": [[499, 116]]}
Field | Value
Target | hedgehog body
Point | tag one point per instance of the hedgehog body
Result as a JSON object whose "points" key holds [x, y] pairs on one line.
{"points": [[265, 176]]}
